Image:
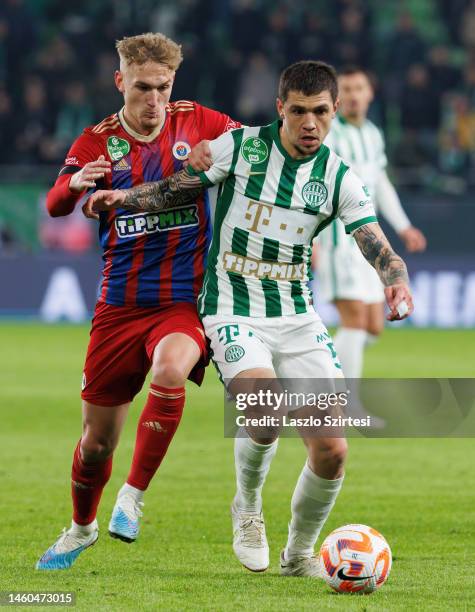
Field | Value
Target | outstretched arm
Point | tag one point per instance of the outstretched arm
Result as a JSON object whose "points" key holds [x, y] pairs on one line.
{"points": [[391, 208], [181, 188], [170, 192], [390, 267]]}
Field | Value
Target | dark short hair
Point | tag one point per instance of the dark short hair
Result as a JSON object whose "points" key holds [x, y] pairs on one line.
{"points": [[310, 78]]}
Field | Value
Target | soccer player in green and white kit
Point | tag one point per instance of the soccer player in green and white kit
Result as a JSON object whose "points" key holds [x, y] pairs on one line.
{"points": [[280, 186], [345, 277]]}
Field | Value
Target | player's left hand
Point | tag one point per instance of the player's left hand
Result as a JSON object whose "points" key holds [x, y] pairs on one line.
{"points": [[413, 239], [395, 294], [200, 157], [103, 199]]}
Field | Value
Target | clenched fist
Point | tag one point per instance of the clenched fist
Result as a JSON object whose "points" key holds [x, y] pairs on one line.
{"points": [[103, 200]]}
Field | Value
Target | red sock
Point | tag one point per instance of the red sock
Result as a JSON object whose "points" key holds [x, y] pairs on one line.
{"points": [[157, 425], [87, 483]]}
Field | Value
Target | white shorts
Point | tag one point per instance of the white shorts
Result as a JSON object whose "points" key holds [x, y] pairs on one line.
{"points": [[343, 273], [294, 346]]}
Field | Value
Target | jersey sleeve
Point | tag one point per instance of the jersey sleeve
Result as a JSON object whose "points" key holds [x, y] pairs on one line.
{"points": [[355, 206], [223, 154], [389, 204], [213, 123], [60, 200], [84, 149], [381, 159]]}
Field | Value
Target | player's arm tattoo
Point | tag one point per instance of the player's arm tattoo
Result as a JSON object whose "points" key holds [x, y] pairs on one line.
{"points": [[378, 252], [170, 192]]}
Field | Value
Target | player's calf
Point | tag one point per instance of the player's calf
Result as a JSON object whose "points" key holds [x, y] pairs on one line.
{"points": [[313, 498], [155, 430]]}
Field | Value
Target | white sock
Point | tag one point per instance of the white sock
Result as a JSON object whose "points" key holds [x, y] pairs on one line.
{"points": [[83, 530], [312, 502], [349, 345], [137, 493], [252, 461]]}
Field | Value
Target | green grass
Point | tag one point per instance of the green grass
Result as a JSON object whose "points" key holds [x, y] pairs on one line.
{"points": [[418, 493]]}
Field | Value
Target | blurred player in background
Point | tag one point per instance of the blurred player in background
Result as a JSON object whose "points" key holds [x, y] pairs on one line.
{"points": [[153, 270], [280, 187], [345, 277]]}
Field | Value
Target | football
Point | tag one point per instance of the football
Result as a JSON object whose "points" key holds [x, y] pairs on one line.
{"points": [[355, 559]]}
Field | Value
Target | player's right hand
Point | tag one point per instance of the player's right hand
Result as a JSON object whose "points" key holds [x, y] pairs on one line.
{"points": [[101, 200], [395, 294], [200, 157], [86, 177]]}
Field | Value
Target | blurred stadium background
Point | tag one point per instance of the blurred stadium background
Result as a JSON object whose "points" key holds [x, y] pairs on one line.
{"points": [[56, 65]]}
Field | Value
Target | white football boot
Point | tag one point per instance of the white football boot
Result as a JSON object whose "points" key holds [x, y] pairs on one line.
{"points": [[300, 566], [125, 520], [249, 539], [67, 548]]}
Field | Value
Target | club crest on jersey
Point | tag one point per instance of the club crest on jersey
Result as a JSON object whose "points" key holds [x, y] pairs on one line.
{"points": [[181, 150], [117, 147], [314, 194], [254, 150], [121, 165], [151, 223]]}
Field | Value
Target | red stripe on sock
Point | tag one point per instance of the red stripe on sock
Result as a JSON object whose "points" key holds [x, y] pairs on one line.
{"points": [[157, 426]]}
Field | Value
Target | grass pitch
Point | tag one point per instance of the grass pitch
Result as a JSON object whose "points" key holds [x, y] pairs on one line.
{"points": [[418, 493]]}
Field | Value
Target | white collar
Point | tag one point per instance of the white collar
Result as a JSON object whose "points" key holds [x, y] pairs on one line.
{"points": [[135, 134]]}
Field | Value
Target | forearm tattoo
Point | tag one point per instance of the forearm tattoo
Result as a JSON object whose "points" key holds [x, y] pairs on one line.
{"points": [[170, 192], [378, 252]]}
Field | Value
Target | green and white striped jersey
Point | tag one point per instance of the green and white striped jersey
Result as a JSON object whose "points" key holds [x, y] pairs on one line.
{"points": [[270, 207], [363, 149]]}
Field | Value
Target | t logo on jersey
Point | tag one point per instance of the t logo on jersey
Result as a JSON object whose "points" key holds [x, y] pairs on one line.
{"points": [[257, 213], [151, 223]]}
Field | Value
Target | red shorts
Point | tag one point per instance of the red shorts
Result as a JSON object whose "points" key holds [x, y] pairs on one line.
{"points": [[121, 347]]}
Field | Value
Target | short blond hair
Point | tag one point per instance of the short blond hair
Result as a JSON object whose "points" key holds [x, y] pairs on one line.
{"points": [[150, 47]]}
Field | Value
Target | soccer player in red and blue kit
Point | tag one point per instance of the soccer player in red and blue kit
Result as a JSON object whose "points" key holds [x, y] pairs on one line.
{"points": [[153, 269]]}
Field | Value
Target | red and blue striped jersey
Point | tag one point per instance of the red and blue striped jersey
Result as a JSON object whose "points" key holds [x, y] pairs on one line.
{"points": [[151, 259]]}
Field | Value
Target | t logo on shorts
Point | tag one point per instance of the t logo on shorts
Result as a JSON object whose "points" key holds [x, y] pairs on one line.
{"points": [[227, 333]]}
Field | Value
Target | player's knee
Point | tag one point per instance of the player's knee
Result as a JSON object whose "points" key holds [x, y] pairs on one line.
{"points": [[330, 456], [375, 329], [95, 449], [168, 374]]}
